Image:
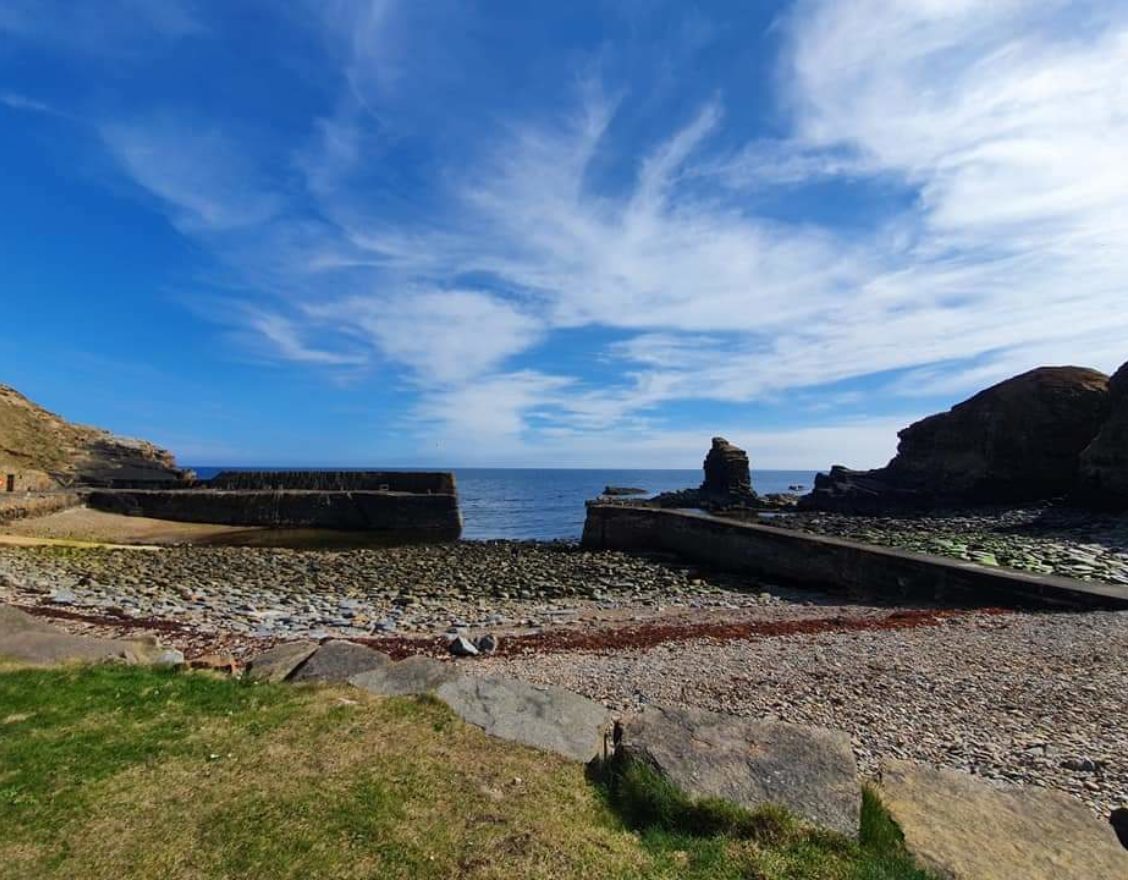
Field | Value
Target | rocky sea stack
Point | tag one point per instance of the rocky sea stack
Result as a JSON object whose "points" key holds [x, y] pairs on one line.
{"points": [[1053, 432], [727, 475], [727, 484]]}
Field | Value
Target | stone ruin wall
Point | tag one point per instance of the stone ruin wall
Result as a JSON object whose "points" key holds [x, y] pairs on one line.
{"points": [[19, 480], [19, 505]]}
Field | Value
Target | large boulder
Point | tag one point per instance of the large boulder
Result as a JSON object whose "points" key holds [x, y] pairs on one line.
{"points": [[543, 716], [963, 828], [1018, 441], [810, 771], [411, 676], [337, 661], [1104, 463], [280, 662]]}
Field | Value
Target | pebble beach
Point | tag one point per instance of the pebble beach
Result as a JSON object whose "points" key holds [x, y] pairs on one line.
{"points": [[1033, 697]]}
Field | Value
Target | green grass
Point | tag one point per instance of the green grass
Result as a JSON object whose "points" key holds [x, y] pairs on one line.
{"points": [[64, 732], [119, 772]]}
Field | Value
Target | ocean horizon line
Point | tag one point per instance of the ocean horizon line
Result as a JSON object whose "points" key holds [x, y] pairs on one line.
{"points": [[305, 467]]}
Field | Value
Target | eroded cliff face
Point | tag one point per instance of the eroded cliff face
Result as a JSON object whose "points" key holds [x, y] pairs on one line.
{"points": [[1020, 440], [1104, 463], [39, 449]]}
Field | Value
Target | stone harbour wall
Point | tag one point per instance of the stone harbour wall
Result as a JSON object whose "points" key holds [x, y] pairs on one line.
{"points": [[417, 482], [433, 516], [831, 563]]}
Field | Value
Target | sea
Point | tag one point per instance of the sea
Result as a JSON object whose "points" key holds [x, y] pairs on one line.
{"points": [[548, 504]]}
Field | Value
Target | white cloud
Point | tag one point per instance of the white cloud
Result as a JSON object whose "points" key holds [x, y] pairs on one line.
{"points": [[287, 341], [201, 173], [21, 102], [1000, 126], [473, 442], [443, 336], [479, 420], [659, 256]]}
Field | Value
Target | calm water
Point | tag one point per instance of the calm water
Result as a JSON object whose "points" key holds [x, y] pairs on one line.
{"points": [[548, 504]]}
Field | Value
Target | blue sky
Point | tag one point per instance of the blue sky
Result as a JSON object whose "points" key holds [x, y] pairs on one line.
{"points": [[538, 234]]}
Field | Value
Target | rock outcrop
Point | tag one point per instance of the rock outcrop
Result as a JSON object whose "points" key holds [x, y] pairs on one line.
{"points": [[1104, 463], [963, 828], [809, 771], [1018, 441], [727, 484], [615, 491], [726, 472], [41, 450]]}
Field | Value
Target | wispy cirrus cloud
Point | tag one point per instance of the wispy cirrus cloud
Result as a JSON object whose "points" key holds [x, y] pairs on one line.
{"points": [[287, 340], [987, 141], [16, 101], [201, 173]]}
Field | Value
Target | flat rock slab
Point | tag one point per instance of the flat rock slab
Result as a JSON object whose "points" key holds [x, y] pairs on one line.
{"points": [[413, 675], [338, 661], [29, 640], [545, 717], [279, 662], [963, 828], [808, 770], [14, 621]]}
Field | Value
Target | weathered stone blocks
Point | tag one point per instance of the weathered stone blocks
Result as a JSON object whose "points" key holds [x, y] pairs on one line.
{"points": [[542, 716], [963, 828], [807, 770]]}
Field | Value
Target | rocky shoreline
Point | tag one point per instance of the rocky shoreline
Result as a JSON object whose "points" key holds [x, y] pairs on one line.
{"points": [[1041, 539], [1031, 697], [413, 590], [1035, 698]]}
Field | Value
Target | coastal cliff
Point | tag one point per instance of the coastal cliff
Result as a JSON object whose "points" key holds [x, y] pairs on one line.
{"points": [[1104, 463], [1018, 441], [40, 450]]}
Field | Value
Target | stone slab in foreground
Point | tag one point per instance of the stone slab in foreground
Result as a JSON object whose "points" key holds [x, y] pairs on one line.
{"points": [[542, 716], [963, 828], [338, 661], [808, 770], [410, 676], [29, 640], [279, 662]]}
